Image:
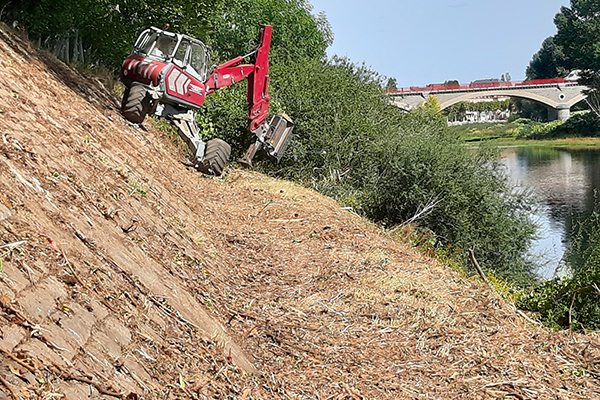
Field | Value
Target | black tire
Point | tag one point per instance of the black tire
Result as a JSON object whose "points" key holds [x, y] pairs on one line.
{"points": [[216, 156], [136, 103], [125, 97]]}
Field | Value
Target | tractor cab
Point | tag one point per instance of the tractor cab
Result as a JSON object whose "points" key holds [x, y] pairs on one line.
{"points": [[189, 54]]}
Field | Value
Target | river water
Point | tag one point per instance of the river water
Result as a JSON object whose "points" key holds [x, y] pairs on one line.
{"points": [[564, 180]]}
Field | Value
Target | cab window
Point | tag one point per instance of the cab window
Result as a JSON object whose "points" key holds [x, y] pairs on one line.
{"points": [[197, 61], [145, 43], [179, 58], [164, 46]]}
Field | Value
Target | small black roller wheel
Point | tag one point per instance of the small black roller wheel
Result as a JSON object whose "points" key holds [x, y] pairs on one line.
{"points": [[136, 103], [215, 157]]}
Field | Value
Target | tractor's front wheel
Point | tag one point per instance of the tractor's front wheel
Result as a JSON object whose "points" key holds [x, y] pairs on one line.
{"points": [[136, 103], [215, 157]]}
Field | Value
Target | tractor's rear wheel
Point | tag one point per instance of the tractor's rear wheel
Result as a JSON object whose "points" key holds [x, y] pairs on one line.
{"points": [[136, 103], [216, 156]]}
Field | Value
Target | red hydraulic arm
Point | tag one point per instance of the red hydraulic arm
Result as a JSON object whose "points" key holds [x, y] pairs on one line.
{"points": [[233, 71]]}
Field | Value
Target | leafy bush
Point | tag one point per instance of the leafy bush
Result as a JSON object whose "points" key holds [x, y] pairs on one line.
{"points": [[539, 130], [471, 203], [353, 145], [573, 300], [582, 124]]}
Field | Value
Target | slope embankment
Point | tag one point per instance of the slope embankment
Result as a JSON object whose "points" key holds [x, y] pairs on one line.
{"points": [[126, 274]]}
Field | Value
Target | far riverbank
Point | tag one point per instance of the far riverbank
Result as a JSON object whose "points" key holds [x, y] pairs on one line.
{"points": [[581, 132]]}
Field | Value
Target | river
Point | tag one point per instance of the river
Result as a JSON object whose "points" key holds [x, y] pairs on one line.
{"points": [[564, 180]]}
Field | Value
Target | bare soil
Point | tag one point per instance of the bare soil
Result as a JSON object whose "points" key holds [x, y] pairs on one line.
{"points": [[126, 274]]}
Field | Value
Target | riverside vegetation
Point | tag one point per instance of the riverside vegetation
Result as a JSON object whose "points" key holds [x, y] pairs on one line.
{"points": [[350, 143]]}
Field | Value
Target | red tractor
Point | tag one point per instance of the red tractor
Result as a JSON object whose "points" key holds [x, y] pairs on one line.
{"points": [[167, 75]]}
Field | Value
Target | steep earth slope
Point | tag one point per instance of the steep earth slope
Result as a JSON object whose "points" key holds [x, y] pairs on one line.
{"points": [[126, 274]]}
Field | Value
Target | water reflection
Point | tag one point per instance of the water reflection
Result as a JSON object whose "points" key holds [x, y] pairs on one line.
{"points": [[565, 180]]}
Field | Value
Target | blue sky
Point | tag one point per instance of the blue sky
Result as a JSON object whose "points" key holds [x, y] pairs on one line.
{"points": [[419, 42]]}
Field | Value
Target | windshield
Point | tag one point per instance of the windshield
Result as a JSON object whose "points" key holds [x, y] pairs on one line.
{"points": [[198, 62], [187, 53], [164, 46], [156, 43], [181, 53]]}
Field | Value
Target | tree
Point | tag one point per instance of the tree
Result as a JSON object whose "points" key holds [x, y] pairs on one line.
{"points": [[108, 28], [579, 33], [549, 62], [297, 33], [506, 77], [391, 84], [579, 36]]}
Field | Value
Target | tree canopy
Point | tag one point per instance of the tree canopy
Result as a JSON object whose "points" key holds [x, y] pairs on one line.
{"points": [[579, 33], [549, 62]]}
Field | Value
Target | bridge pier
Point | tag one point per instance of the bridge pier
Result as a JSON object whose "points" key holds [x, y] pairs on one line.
{"points": [[562, 113]]}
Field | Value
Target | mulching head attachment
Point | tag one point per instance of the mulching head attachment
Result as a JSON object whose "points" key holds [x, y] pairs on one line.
{"points": [[274, 137]]}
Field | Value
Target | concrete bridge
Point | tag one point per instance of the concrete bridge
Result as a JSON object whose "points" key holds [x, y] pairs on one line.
{"points": [[557, 95]]}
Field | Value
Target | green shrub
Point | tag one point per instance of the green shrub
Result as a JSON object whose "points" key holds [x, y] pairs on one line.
{"points": [[539, 130], [573, 300], [473, 205], [583, 124]]}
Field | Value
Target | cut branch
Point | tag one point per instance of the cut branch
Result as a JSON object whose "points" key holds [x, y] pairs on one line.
{"points": [[477, 267]]}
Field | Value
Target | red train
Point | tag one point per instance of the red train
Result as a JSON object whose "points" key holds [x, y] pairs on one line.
{"points": [[484, 84]]}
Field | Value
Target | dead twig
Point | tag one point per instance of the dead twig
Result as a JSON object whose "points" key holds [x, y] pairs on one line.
{"points": [[266, 205], [21, 363], [511, 383], [573, 302], [9, 310], [75, 274], [10, 391], [14, 244], [477, 267], [522, 314], [68, 376]]}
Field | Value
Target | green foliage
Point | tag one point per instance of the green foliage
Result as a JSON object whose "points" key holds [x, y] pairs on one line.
{"points": [[537, 130], [573, 301], [471, 205], [298, 34], [581, 124], [549, 62], [391, 84], [579, 33], [485, 131], [530, 109], [108, 28], [352, 144]]}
